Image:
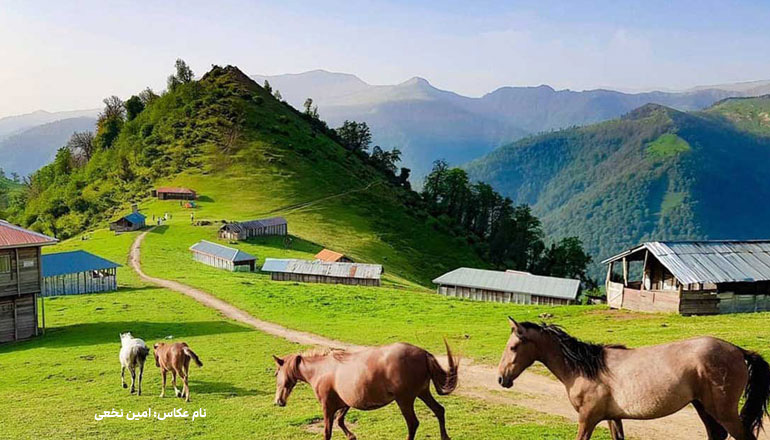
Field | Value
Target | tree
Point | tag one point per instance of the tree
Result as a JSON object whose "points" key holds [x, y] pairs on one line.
{"points": [[267, 87], [134, 106], [566, 259], [113, 108], [277, 95], [386, 160], [311, 110], [147, 96], [15, 177], [183, 74], [81, 146], [109, 123], [355, 136]]}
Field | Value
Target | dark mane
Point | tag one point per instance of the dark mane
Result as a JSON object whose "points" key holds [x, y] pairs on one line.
{"points": [[586, 358]]}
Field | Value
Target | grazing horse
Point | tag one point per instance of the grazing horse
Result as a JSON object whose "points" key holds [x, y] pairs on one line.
{"points": [[175, 358], [611, 382], [369, 379], [133, 353]]}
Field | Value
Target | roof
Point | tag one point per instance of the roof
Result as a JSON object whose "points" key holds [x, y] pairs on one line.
{"points": [[510, 281], [63, 263], [219, 251], [337, 270], [12, 236], [135, 217], [329, 255], [710, 261], [254, 224], [174, 190]]}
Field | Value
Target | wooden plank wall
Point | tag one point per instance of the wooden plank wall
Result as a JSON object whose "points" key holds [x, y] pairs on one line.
{"points": [[18, 319], [666, 301], [81, 283], [280, 276], [499, 296]]}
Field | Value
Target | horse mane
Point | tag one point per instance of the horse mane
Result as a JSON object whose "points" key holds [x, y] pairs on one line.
{"points": [[585, 358], [337, 353]]}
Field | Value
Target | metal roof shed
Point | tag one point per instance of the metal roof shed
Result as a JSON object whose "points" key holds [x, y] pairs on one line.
{"points": [[223, 257], [77, 272], [323, 272]]}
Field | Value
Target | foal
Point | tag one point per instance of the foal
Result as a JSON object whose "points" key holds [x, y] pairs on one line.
{"points": [[369, 379], [175, 358], [133, 353], [610, 382]]}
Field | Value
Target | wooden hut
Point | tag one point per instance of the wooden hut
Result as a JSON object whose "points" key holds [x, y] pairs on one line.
{"points": [[223, 257], [507, 287], [20, 281], [254, 228], [173, 193], [322, 272], [132, 222], [78, 272], [330, 256], [691, 277]]}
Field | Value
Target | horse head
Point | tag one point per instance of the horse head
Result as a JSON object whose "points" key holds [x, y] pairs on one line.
{"points": [[285, 377], [520, 352]]}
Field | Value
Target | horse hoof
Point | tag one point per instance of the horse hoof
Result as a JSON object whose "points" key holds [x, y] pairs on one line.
{"points": [[125, 386]]}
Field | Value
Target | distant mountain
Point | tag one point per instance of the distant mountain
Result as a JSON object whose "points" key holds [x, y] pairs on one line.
{"points": [[427, 123], [14, 124], [28, 150], [656, 173]]}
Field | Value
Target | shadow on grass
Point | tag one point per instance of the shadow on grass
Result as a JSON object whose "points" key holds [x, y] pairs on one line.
{"points": [[159, 229], [293, 243], [224, 388], [204, 199]]}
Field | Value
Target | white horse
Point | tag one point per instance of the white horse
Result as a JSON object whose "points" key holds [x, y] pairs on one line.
{"points": [[133, 353]]}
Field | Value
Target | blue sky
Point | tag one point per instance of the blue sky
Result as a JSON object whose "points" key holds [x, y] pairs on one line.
{"points": [[59, 56]]}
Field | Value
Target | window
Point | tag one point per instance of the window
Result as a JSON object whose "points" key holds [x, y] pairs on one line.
{"points": [[5, 264]]}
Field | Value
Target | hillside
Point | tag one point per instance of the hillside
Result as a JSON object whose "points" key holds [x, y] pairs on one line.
{"points": [[656, 173], [15, 124], [249, 156]]}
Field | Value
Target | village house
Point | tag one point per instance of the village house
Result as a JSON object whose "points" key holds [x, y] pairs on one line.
{"points": [[172, 193], [322, 272], [78, 272], [132, 222], [330, 256], [507, 287], [691, 277], [254, 228], [223, 257], [20, 281]]}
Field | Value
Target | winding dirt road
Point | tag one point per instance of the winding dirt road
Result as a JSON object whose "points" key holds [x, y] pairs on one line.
{"points": [[477, 381]]}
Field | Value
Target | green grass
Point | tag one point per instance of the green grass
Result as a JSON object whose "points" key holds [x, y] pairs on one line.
{"points": [[671, 201], [667, 145], [750, 114]]}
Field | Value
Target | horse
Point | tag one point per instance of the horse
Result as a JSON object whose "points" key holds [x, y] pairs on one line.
{"points": [[133, 353], [612, 383], [368, 379], [175, 358]]}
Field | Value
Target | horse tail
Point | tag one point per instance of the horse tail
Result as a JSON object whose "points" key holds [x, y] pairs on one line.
{"points": [[757, 392], [141, 354], [444, 381], [194, 356]]}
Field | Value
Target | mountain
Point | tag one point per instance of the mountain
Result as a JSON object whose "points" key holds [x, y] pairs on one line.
{"points": [[13, 124], [427, 123], [26, 151], [654, 174]]}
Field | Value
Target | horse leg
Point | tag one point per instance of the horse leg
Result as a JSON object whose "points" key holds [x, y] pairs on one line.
{"points": [[329, 410], [714, 430], [141, 376], [341, 423], [616, 430], [407, 410], [163, 383], [585, 429], [186, 390], [133, 378], [437, 409], [123, 376], [173, 382]]}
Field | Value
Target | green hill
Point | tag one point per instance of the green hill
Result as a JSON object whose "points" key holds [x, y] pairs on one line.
{"points": [[656, 173], [248, 155]]}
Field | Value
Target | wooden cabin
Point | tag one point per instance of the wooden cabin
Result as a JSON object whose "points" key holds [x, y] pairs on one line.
{"points": [[322, 272], [20, 281], [173, 193], [78, 272], [132, 222], [223, 257], [507, 287], [691, 277], [330, 256], [254, 228]]}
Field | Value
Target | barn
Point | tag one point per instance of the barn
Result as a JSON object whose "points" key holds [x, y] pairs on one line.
{"points": [[322, 272], [254, 228], [330, 256], [132, 222], [173, 193], [77, 272], [20, 281], [691, 277], [507, 287], [223, 257]]}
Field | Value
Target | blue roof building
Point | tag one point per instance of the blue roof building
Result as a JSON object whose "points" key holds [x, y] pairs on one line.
{"points": [[132, 222], [77, 272]]}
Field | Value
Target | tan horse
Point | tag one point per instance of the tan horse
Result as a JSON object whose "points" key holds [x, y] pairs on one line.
{"points": [[175, 358], [369, 379], [610, 382]]}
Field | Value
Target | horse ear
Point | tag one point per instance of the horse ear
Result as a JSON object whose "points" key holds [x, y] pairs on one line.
{"points": [[278, 361], [514, 325]]}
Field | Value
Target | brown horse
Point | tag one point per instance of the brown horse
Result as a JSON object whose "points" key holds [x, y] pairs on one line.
{"points": [[369, 379], [175, 358], [611, 382]]}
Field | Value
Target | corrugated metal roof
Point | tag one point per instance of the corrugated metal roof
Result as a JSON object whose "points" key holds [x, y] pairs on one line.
{"points": [[219, 251], [174, 190], [12, 236], [329, 256], [337, 270], [518, 282], [135, 217], [64, 263], [254, 224], [710, 261]]}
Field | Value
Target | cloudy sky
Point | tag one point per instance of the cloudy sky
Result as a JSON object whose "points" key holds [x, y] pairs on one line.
{"points": [[58, 56]]}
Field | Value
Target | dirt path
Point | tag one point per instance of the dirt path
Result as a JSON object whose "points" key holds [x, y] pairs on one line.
{"points": [[531, 391]]}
